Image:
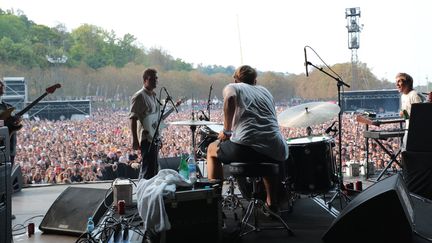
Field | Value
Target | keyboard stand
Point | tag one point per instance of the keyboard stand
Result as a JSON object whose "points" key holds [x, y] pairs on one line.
{"points": [[393, 158]]}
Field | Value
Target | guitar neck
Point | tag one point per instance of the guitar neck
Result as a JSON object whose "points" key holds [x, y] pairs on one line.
{"points": [[166, 114], [27, 108]]}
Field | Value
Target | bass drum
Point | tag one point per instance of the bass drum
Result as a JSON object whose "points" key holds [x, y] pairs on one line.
{"points": [[310, 166]]}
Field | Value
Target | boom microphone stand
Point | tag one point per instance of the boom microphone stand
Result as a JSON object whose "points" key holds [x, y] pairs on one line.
{"points": [[339, 184], [155, 137]]}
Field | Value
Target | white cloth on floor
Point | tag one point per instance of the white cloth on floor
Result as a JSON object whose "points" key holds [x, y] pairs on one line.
{"points": [[150, 198]]}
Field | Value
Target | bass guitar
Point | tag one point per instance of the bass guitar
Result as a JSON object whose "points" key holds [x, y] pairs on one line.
{"points": [[13, 122]]}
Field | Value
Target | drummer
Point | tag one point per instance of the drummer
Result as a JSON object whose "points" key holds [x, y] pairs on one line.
{"points": [[251, 132]]}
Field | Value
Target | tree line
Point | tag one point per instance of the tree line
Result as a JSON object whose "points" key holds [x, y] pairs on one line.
{"points": [[91, 61]]}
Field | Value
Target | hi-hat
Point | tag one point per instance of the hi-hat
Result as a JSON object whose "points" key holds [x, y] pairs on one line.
{"points": [[308, 114], [193, 123]]}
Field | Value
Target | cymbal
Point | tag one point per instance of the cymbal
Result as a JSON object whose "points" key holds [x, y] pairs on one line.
{"points": [[308, 114], [193, 123]]}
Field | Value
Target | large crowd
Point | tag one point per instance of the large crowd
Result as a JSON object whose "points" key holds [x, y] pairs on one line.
{"points": [[99, 147]]}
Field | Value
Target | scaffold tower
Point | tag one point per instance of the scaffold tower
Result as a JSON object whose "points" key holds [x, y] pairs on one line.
{"points": [[353, 25]]}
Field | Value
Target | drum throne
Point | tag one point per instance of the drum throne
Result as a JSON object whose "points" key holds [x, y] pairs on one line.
{"points": [[255, 171]]}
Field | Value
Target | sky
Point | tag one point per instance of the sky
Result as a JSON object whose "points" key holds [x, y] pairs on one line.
{"points": [[268, 35]]}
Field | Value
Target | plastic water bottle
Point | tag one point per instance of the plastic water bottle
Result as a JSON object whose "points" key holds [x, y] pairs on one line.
{"points": [[192, 167], [183, 167], [90, 225]]}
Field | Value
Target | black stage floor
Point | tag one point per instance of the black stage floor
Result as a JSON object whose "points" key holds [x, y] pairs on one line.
{"points": [[309, 219]]}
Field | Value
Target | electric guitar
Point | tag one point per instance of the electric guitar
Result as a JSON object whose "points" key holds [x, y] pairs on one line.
{"points": [[13, 122], [150, 121]]}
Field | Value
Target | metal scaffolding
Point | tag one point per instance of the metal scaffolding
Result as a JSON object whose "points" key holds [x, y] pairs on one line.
{"points": [[354, 28]]}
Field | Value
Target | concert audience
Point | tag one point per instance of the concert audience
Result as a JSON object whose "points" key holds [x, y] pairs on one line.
{"points": [[93, 149]]}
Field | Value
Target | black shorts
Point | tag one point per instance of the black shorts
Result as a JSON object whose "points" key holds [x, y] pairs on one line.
{"points": [[232, 152]]}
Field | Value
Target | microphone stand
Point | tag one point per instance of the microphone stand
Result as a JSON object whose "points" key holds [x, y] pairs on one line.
{"points": [[156, 133], [339, 184], [208, 102]]}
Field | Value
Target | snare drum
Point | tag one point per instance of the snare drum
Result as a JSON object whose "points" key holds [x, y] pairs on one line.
{"points": [[310, 166]]}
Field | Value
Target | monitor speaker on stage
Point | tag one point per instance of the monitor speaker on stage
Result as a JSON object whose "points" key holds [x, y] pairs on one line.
{"points": [[381, 213], [69, 213]]}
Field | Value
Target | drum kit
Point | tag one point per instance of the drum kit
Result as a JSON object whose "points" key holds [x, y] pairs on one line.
{"points": [[311, 167]]}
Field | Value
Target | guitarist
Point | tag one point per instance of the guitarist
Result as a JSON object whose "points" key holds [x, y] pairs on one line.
{"points": [[144, 104], [11, 121]]}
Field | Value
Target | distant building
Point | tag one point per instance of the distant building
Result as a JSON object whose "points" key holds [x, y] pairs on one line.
{"points": [[16, 92], [378, 101]]}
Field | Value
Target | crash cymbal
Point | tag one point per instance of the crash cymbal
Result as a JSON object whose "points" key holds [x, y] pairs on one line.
{"points": [[192, 123], [308, 114]]}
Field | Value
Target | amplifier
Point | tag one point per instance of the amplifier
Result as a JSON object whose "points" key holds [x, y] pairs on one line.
{"points": [[122, 191], [195, 215]]}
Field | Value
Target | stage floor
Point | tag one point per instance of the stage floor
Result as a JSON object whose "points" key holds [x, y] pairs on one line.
{"points": [[309, 219]]}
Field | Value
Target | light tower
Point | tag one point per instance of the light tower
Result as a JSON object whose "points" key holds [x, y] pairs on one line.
{"points": [[353, 16]]}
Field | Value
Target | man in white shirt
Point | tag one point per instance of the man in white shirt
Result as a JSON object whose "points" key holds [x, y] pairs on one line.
{"points": [[251, 132], [404, 84]]}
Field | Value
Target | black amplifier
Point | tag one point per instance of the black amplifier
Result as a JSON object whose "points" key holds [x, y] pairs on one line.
{"points": [[195, 216]]}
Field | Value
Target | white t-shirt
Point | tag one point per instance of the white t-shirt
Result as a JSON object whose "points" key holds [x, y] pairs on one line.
{"points": [[255, 122], [145, 108], [407, 100]]}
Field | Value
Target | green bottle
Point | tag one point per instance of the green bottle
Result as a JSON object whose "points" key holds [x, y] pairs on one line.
{"points": [[183, 167], [405, 114]]}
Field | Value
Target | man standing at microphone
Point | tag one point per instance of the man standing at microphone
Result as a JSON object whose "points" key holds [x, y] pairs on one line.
{"points": [[144, 114]]}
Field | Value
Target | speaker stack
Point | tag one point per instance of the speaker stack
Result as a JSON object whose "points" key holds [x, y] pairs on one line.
{"points": [[5, 203]]}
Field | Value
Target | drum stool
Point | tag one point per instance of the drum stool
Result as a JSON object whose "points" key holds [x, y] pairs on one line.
{"points": [[255, 171]]}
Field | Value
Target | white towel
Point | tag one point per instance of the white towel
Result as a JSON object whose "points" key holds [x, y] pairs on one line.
{"points": [[150, 198]]}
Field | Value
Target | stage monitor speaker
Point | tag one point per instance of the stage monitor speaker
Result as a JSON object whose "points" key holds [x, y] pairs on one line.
{"points": [[381, 213], [70, 211], [169, 163], [16, 178]]}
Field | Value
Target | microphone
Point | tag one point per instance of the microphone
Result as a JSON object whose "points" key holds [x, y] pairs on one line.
{"points": [[170, 99], [330, 128], [306, 62]]}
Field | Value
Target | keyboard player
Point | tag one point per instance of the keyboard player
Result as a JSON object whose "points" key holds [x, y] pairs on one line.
{"points": [[404, 84]]}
